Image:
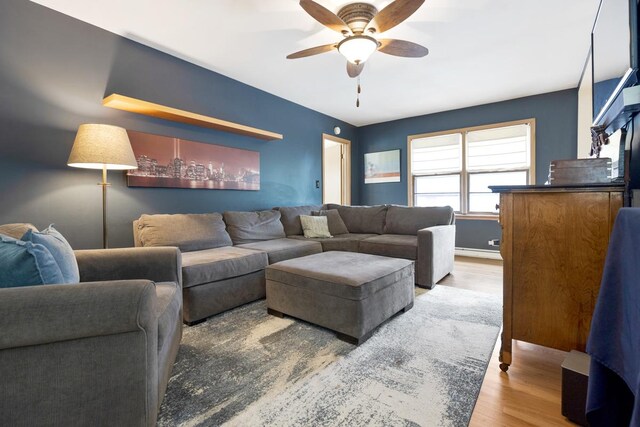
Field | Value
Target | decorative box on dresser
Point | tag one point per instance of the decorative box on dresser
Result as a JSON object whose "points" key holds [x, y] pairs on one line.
{"points": [[554, 244]]}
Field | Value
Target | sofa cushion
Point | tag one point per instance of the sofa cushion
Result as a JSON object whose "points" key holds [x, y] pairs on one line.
{"points": [[366, 275], [362, 219], [26, 264], [281, 249], [341, 242], [249, 227], [59, 248], [315, 226], [16, 230], [391, 245], [408, 220], [168, 305], [211, 265], [336, 224], [290, 218], [189, 232]]}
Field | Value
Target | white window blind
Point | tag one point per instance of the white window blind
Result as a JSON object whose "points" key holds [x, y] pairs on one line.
{"points": [[436, 154], [498, 149]]}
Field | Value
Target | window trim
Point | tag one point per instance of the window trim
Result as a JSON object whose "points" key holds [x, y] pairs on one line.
{"points": [[464, 180]]}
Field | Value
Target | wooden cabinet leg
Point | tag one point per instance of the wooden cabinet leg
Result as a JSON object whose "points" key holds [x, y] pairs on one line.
{"points": [[505, 352]]}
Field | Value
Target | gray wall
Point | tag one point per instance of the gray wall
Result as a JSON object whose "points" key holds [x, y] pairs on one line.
{"points": [[556, 117], [54, 72]]}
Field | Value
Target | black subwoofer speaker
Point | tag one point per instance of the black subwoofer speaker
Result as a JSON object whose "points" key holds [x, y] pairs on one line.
{"points": [[575, 379]]}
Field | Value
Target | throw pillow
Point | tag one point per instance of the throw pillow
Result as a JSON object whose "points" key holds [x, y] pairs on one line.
{"points": [[315, 226], [290, 218], [59, 248], [26, 264], [336, 224], [249, 227]]}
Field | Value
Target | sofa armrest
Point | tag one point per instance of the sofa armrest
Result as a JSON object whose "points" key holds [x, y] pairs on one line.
{"points": [[436, 252], [36, 315], [159, 264], [79, 354]]}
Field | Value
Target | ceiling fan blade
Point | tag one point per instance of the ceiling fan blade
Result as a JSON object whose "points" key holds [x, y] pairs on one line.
{"points": [[354, 70], [402, 48], [324, 16], [312, 51], [393, 14]]}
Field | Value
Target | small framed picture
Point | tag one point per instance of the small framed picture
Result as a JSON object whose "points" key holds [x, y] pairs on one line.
{"points": [[382, 166]]}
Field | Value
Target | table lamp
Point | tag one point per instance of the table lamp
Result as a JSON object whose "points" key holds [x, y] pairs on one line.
{"points": [[102, 147]]}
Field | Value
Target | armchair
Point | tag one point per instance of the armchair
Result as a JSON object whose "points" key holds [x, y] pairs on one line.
{"points": [[95, 353]]}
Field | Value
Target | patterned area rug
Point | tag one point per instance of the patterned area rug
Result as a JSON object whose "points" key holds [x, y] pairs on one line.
{"points": [[421, 368]]}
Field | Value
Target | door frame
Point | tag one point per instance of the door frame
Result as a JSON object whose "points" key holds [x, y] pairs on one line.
{"points": [[345, 191]]}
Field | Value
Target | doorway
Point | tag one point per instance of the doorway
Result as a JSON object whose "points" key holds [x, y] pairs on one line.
{"points": [[336, 170]]}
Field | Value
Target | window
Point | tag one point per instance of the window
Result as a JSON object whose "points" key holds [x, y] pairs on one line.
{"points": [[457, 167]]}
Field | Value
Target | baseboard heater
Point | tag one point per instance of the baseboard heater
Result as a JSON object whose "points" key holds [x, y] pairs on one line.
{"points": [[478, 253]]}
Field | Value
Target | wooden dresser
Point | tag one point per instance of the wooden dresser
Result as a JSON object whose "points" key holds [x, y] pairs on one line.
{"points": [[554, 243]]}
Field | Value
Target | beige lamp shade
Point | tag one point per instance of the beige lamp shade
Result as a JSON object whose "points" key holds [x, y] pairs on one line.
{"points": [[97, 146]]}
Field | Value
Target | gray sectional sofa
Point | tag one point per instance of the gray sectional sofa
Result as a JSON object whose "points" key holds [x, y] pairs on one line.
{"points": [[219, 273], [425, 235], [224, 256]]}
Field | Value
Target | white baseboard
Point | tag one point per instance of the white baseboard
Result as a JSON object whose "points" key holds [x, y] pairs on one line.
{"points": [[478, 253]]}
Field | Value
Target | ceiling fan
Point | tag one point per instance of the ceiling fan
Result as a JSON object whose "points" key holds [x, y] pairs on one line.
{"points": [[359, 23]]}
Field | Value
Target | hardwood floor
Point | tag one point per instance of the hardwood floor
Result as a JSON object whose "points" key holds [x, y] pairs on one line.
{"points": [[529, 393]]}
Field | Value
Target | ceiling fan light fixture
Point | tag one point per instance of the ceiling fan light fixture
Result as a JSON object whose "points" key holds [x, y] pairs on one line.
{"points": [[357, 49]]}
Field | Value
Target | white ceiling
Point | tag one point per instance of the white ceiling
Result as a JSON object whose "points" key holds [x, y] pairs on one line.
{"points": [[481, 51]]}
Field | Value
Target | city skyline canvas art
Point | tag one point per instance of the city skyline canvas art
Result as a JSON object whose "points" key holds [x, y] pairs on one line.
{"points": [[170, 162]]}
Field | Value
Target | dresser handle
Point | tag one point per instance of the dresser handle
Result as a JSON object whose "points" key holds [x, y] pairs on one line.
{"points": [[497, 207]]}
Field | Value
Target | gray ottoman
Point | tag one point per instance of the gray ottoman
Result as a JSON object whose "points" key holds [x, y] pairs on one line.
{"points": [[348, 292]]}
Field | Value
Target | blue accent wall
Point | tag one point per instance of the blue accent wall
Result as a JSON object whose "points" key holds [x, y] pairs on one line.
{"points": [[556, 117], [54, 72]]}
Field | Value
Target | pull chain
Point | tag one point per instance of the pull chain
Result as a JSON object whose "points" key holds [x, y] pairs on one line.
{"points": [[358, 93]]}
